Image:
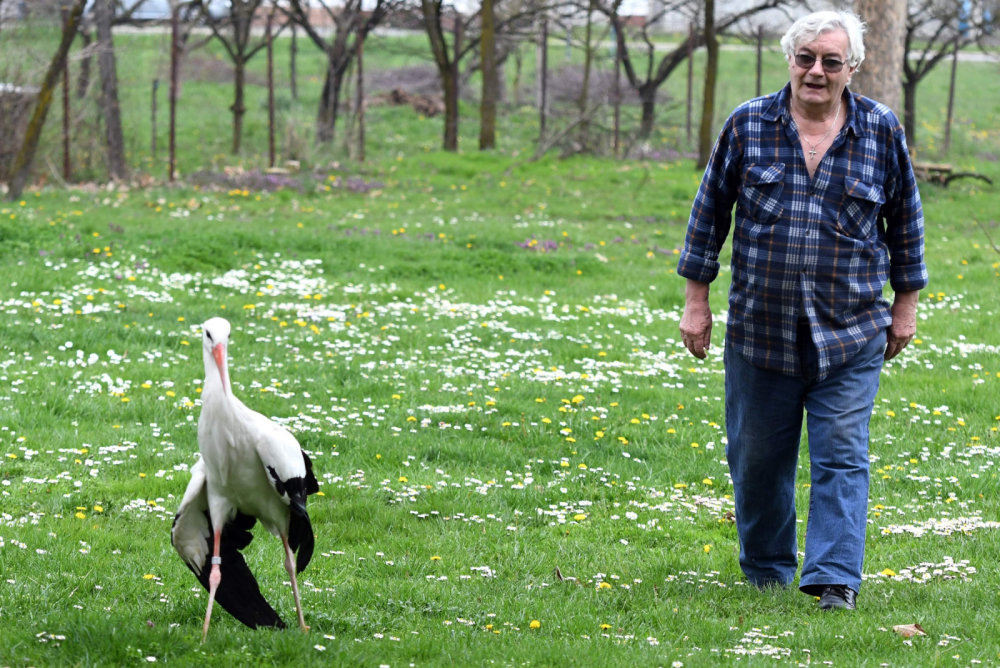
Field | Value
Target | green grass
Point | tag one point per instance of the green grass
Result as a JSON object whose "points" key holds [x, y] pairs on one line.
{"points": [[481, 354]]}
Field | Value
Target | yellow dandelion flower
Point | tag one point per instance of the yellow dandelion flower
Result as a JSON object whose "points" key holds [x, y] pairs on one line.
{"points": [[535, 624]]}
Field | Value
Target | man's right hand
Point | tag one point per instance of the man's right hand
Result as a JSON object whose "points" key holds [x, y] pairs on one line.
{"points": [[696, 322]]}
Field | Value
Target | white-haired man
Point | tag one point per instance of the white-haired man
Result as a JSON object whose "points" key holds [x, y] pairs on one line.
{"points": [[827, 211]]}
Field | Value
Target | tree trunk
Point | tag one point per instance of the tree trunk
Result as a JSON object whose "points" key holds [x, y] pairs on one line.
{"points": [[293, 53], [647, 100], [949, 116], [705, 134], [67, 160], [449, 83], [175, 68], [488, 61], [617, 102], [360, 106], [269, 36], [22, 164], [329, 100], [542, 66], [238, 108], [110, 108], [880, 76], [689, 101], [447, 66], [588, 59], [451, 90], [910, 111], [83, 77]]}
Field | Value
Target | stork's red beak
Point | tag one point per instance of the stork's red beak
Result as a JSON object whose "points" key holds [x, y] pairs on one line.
{"points": [[219, 353]]}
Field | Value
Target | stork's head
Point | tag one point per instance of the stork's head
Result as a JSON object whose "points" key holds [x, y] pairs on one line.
{"points": [[215, 340]]}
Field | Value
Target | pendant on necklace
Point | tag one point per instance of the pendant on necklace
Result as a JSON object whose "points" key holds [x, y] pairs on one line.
{"points": [[812, 154]]}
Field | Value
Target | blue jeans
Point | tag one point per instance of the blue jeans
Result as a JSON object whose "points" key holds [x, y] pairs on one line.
{"points": [[764, 412]]}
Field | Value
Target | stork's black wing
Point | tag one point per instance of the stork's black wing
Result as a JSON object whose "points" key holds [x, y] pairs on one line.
{"points": [[300, 534]]}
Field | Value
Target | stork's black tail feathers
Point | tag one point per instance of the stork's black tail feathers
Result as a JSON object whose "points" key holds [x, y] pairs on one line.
{"points": [[238, 591], [300, 533]]}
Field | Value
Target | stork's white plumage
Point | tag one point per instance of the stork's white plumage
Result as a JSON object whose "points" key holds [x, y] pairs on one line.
{"points": [[250, 469]]}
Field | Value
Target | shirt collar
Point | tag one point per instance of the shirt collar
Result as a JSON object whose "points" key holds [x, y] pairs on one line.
{"points": [[778, 110]]}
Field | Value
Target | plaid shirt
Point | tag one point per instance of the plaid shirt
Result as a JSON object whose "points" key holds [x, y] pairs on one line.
{"points": [[819, 248]]}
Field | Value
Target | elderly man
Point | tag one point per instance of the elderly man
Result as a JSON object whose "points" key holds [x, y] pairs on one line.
{"points": [[827, 211]]}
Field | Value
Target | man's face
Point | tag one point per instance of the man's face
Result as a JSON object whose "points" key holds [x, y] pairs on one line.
{"points": [[814, 86]]}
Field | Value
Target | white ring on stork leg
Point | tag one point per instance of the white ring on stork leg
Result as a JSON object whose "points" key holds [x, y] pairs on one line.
{"points": [[216, 560]]}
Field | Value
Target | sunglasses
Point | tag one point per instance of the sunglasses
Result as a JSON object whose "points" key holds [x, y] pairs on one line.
{"points": [[830, 65]]}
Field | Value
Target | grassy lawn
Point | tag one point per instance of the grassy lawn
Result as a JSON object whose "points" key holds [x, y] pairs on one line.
{"points": [[519, 463]]}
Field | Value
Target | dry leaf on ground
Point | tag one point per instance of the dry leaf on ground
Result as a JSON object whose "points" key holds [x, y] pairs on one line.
{"points": [[909, 630]]}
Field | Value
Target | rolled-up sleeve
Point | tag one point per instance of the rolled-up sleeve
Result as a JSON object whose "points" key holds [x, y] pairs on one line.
{"points": [[904, 225], [711, 213]]}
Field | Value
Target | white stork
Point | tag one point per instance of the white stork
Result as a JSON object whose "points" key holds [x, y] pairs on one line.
{"points": [[250, 469]]}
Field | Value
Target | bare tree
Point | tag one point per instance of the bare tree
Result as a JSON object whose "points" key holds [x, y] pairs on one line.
{"points": [[235, 33], [183, 16], [637, 49], [705, 134], [22, 164], [123, 13], [351, 25], [934, 29], [110, 108], [447, 58], [881, 75], [454, 37]]}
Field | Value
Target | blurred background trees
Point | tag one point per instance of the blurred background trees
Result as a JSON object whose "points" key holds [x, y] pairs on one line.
{"points": [[615, 54]]}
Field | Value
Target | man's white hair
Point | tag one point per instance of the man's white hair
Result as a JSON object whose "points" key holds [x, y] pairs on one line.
{"points": [[811, 26]]}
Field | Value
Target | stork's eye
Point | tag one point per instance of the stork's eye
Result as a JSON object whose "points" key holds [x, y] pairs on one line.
{"points": [[209, 335]]}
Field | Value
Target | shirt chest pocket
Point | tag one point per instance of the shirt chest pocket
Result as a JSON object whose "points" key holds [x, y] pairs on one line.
{"points": [[761, 197], [860, 208]]}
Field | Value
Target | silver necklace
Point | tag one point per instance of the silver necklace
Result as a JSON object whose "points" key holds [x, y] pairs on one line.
{"points": [[812, 146]]}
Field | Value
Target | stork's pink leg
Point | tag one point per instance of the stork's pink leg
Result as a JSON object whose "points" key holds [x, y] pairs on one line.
{"points": [[214, 578], [290, 567]]}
